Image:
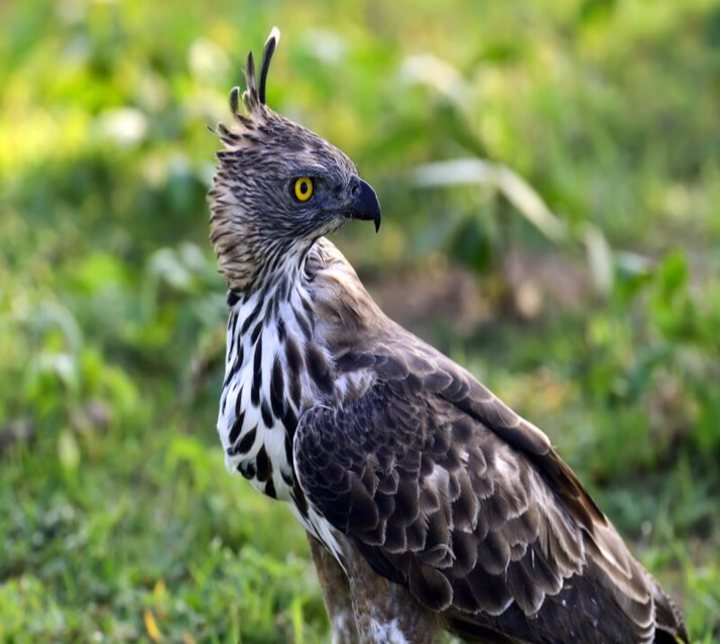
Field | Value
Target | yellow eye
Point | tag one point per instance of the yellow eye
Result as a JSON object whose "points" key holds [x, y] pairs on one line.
{"points": [[303, 188]]}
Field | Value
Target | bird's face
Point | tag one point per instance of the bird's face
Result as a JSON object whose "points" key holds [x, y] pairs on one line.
{"points": [[288, 181], [278, 188]]}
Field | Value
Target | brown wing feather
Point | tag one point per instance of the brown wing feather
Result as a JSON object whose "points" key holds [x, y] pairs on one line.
{"points": [[446, 490]]}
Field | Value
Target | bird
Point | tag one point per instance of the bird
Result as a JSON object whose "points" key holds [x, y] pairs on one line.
{"points": [[430, 504]]}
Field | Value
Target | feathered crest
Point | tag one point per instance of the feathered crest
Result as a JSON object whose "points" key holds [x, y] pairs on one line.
{"points": [[254, 96]]}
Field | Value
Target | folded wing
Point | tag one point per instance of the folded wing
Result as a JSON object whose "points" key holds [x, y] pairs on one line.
{"points": [[444, 489]]}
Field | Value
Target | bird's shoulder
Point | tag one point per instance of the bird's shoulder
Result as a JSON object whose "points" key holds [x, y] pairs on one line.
{"points": [[360, 337]]}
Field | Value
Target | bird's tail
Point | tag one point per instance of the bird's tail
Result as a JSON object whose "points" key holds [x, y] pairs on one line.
{"points": [[669, 624]]}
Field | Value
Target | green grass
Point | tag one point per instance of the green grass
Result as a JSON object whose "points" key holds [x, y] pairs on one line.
{"points": [[117, 518]]}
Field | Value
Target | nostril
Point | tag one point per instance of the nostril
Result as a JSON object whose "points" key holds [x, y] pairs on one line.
{"points": [[355, 188]]}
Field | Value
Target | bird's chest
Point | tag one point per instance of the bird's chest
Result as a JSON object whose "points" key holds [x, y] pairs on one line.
{"points": [[277, 368], [263, 395]]}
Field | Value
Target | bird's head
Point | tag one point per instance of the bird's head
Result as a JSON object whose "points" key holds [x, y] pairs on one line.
{"points": [[278, 186]]}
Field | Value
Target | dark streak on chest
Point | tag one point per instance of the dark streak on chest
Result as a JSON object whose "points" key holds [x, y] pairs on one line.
{"points": [[277, 389], [257, 375], [294, 364]]}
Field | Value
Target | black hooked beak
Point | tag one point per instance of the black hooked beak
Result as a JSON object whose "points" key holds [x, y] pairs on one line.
{"points": [[364, 203]]}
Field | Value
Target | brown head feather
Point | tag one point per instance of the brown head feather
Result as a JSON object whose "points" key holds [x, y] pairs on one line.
{"points": [[255, 221]]}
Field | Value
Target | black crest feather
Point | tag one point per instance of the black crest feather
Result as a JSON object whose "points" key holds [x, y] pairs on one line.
{"points": [[235, 100], [270, 45], [250, 96], [254, 96]]}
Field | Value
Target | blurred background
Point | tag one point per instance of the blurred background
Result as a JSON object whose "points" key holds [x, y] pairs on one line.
{"points": [[550, 179]]}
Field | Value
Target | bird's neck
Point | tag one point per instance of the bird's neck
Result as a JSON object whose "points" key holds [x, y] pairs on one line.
{"points": [[258, 263], [269, 282]]}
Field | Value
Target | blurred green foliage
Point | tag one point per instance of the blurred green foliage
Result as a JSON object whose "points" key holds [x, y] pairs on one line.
{"points": [[116, 516]]}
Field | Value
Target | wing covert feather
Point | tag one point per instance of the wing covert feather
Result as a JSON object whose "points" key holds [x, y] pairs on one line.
{"points": [[481, 521]]}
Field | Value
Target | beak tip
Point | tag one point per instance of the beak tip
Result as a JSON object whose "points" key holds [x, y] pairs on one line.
{"points": [[365, 205]]}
